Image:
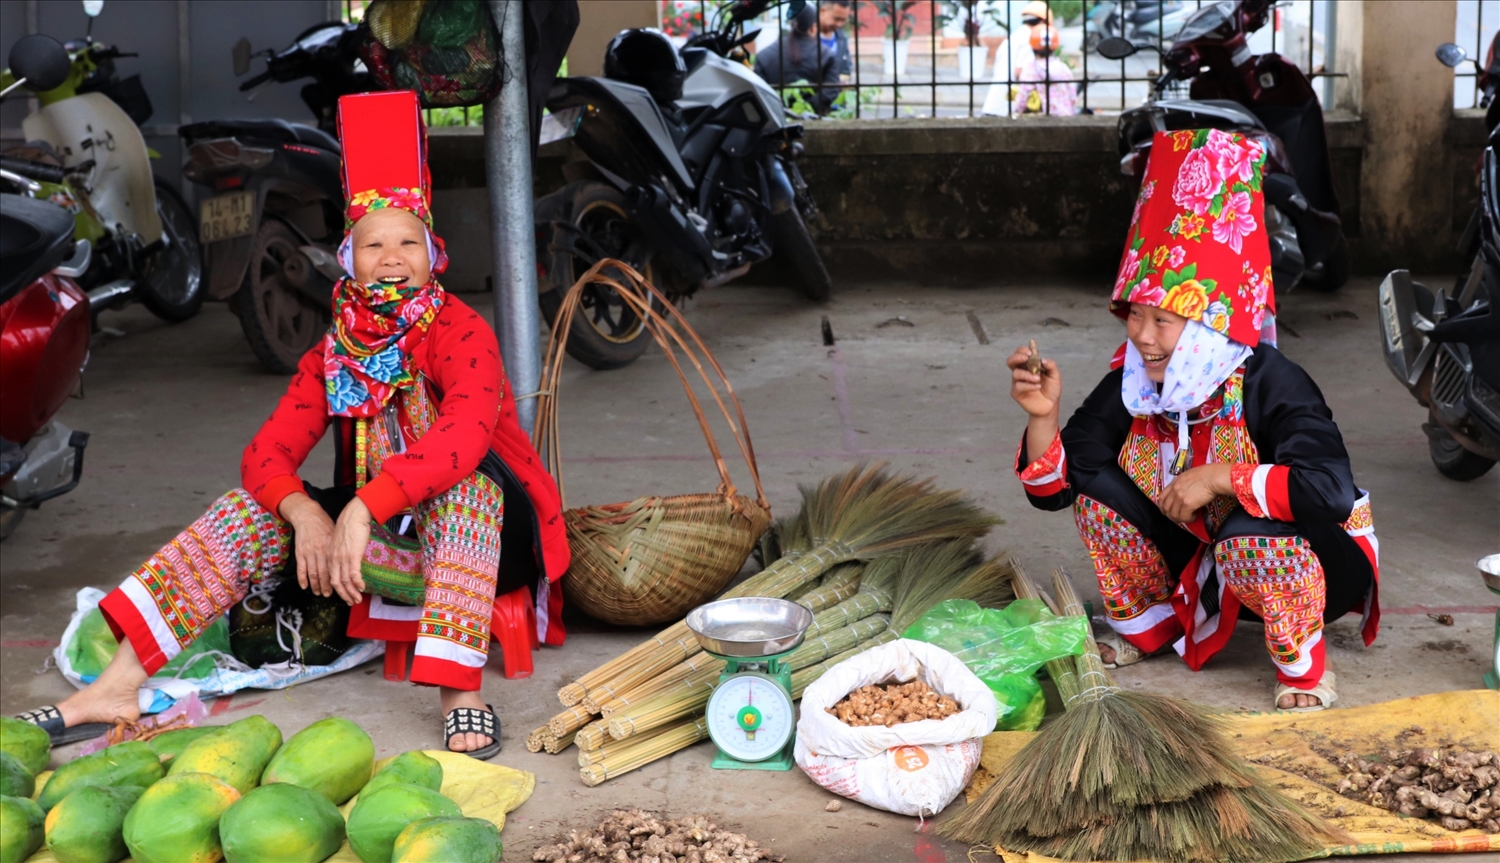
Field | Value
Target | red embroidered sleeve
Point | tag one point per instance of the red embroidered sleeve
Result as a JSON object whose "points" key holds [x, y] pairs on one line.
{"points": [[268, 468], [1262, 490], [1045, 475]]}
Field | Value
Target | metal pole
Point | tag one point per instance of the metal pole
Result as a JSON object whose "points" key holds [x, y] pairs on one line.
{"points": [[507, 165]]}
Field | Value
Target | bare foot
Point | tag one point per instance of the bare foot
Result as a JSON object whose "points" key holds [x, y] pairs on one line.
{"points": [[1107, 654], [112, 696], [453, 699], [1291, 700]]}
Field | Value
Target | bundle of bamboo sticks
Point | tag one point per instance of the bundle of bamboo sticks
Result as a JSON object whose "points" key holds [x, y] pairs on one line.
{"points": [[868, 553]]}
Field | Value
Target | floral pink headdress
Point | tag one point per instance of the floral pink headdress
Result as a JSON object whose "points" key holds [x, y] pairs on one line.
{"points": [[1198, 243]]}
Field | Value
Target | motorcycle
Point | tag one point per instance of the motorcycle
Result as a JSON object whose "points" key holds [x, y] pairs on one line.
{"points": [[1446, 349], [1144, 21], [84, 146], [1267, 99], [691, 178], [45, 326], [272, 217]]}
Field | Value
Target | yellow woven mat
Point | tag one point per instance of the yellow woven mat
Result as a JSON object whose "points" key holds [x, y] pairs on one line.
{"points": [[1282, 748], [480, 789]]}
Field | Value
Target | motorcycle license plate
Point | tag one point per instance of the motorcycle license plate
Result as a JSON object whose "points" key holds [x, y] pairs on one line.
{"points": [[227, 216]]}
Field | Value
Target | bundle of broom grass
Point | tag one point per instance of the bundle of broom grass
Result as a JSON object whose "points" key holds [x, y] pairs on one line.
{"points": [[1130, 776], [868, 553]]}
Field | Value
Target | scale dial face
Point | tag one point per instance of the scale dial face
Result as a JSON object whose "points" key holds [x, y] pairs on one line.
{"points": [[750, 717]]}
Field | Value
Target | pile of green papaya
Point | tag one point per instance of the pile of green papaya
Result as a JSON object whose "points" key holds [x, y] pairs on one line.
{"points": [[233, 792]]}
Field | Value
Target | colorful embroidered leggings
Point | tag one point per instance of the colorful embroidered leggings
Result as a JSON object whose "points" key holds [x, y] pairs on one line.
{"points": [[1281, 580], [449, 569], [1134, 579]]}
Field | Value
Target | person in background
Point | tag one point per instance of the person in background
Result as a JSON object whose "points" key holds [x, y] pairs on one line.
{"points": [[799, 57], [833, 17], [1046, 83], [1014, 55]]}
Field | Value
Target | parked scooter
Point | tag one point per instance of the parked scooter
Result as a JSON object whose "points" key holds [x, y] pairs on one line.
{"points": [[84, 146], [1446, 349], [691, 178], [1265, 98], [273, 216], [1139, 21], [44, 343]]}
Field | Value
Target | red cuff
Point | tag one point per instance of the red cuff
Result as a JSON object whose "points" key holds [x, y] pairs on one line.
{"points": [[1243, 477], [1278, 500], [1047, 475], [126, 622], [383, 496], [276, 490]]}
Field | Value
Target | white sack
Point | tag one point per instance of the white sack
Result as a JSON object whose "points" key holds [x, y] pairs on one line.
{"points": [[913, 768]]}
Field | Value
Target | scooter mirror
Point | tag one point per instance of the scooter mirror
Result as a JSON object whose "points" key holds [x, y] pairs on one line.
{"points": [[241, 57], [41, 60], [92, 8], [1450, 55], [1115, 48]]}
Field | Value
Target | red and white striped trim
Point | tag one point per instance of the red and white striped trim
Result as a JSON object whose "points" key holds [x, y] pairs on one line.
{"points": [[1047, 475], [131, 613]]}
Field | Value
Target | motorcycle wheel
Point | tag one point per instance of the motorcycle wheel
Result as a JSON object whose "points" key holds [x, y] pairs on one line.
{"points": [[1452, 460], [606, 334], [795, 242], [171, 284], [280, 322], [1335, 270]]}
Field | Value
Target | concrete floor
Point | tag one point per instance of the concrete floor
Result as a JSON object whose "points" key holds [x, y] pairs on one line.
{"points": [[171, 407]]}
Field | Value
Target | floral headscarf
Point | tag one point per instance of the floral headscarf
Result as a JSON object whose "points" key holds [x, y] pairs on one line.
{"points": [[1198, 248], [1198, 243]]}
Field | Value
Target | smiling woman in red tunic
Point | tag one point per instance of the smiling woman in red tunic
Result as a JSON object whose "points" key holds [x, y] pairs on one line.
{"points": [[429, 458]]}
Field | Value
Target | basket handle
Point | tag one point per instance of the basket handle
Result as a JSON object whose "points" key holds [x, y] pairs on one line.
{"points": [[637, 293]]}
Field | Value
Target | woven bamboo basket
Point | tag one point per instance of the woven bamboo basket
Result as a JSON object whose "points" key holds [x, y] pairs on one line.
{"points": [[653, 559]]}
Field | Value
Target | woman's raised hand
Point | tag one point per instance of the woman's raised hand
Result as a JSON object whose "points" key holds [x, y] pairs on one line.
{"points": [[1037, 394], [312, 532], [347, 550]]}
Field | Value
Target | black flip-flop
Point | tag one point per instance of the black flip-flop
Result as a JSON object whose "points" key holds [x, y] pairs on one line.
{"points": [[467, 720], [50, 720]]}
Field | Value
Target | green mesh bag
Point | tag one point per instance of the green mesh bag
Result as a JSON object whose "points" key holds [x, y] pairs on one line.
{"points": [[448, 51]]}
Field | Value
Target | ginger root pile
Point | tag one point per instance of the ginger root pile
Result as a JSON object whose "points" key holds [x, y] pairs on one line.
{"points": [[634, 836], [1457, 788], [893, 704]]}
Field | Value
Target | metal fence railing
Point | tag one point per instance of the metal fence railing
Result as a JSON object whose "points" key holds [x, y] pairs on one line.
{"points": [[1475, 28], [936, 58]]}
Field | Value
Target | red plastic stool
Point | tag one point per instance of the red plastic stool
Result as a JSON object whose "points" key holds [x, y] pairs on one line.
{"points": [[512, 627]]}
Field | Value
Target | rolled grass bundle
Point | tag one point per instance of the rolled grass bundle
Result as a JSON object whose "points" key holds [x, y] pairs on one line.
{"points": [[666, 680], [861, 514], [691, 695], [591, 736], [639, 753], [803, 677], [569, 721], [1129, 776], [612, 748], [534, 738], [840, 584]]}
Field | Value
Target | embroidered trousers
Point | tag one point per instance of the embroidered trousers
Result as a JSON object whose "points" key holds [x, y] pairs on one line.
{"points": [[448, 571], [1292, 577]]}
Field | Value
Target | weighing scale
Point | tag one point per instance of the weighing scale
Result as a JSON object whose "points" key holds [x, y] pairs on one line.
{"points": [[751, 717], [1489, 568]]}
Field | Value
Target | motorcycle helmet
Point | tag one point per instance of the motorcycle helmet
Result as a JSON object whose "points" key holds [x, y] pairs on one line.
{"points": [[1036, 11], [1044, 39], [646, 58]]}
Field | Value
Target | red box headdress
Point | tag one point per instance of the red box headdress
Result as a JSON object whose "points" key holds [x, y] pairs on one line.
{"points": [[1198, 244], [385, 159]]}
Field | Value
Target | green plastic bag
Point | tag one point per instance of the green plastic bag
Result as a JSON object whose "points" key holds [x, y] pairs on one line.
{"points": [[1004, 648], [93, 646]]}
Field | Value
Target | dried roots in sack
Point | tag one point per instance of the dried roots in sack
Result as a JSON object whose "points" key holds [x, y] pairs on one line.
{"points": [[893, 704]]}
